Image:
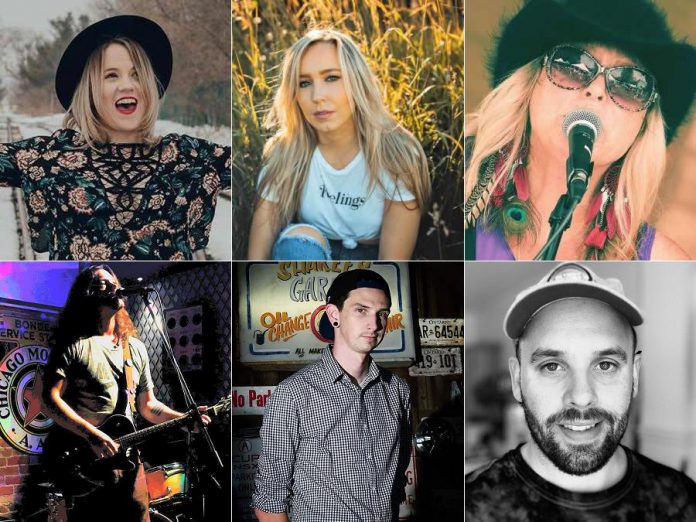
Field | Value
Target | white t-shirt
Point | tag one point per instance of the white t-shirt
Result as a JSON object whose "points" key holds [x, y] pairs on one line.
{"points": [[338, 203]]}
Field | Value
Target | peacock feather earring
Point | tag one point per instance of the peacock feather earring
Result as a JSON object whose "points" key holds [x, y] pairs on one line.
{"points": [[512, 209]]}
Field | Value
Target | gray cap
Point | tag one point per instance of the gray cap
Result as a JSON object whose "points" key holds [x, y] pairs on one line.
{"points": [[565, 281]]}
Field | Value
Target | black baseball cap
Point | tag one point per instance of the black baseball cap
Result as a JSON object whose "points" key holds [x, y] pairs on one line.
{"points": [[346, 282]]}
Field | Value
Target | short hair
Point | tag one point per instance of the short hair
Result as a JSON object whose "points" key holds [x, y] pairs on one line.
{"points": [[86, 107]]}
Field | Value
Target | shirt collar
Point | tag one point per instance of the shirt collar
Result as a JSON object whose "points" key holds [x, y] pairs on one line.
{"points": [[334, 372]]}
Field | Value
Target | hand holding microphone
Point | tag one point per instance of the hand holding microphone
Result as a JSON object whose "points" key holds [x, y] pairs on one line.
{"points": [[582, 128]]}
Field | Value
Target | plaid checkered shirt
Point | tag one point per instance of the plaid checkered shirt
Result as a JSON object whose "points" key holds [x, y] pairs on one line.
{"points": [[334, 451]]}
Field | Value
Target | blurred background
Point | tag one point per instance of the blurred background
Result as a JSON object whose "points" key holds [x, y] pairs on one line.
{"points": [[676, 215], [415, 49], [33, 36], [663, 417]]}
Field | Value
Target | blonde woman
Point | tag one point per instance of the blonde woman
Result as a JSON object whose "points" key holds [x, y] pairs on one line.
{"points": [[342, 179], [105, 186], [616, 60]]}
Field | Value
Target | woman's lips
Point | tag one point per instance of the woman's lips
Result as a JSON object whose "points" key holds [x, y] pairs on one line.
{"points": [[322, 115], [126, 105]]}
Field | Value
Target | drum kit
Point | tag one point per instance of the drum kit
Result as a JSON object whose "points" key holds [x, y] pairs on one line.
{"points": [[168, 489]]}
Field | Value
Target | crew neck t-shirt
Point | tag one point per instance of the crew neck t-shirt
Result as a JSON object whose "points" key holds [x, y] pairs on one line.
{"points": [[509, 490], [338, 202], [96, 381]]}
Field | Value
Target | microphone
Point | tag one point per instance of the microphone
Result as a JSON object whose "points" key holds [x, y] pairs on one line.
{"points": [[133, 290], [582, 128]]}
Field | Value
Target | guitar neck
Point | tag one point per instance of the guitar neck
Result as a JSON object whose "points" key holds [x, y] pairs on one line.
{"points": [[134, 438], [137, 436]]}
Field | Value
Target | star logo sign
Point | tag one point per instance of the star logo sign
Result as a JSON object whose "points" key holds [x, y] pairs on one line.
{"points": [[23, 420], [32, 398]]}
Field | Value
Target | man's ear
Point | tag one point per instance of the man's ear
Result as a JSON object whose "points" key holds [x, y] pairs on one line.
{"points": [[514, 367], [637, 360], [332, 312]]}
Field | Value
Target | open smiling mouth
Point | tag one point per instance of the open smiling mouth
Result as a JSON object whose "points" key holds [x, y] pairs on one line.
{"points": [[126, 105], [575, 427], [582, 432]]}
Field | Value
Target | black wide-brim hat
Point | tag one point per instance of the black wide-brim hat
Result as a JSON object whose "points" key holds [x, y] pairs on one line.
{"points": [[638, 28], [145, 32]]}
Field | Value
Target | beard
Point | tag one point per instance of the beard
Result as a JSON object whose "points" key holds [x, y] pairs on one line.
{"points": [[576, 459]]}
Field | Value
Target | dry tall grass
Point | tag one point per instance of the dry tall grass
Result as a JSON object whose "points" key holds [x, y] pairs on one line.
{"points": [[417, 51]]}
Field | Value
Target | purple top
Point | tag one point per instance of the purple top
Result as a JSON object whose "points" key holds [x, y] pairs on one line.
{"points": [[491, 244]]}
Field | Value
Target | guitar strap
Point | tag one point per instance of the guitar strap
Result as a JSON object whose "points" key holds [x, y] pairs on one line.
{"points": [[128, 372]]}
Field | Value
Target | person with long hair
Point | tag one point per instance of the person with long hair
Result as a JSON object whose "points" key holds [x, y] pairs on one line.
{"points": [[85, 382], [106, 186], [342, 179], [617, 64]]}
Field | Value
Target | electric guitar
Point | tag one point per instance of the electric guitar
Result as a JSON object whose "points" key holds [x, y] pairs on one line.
{"points": [[73, 467]]}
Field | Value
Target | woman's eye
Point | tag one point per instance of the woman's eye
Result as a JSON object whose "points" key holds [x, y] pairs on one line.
{"points": [[332, 78], [304, 83], [110, 75]]}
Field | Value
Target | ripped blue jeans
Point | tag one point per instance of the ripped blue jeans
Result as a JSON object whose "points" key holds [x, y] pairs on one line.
{"points": [[308, 248]]}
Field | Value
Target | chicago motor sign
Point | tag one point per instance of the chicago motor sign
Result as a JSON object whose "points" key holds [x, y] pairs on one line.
{"points": [[22, 421]]}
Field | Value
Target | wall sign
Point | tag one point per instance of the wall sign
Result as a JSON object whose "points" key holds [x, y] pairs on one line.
{"points": [[281, 305], [250, 400], [246, 451], [24, 347]]}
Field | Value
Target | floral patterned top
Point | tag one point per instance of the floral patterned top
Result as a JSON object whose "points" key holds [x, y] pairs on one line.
{"points": [[122, 201]]}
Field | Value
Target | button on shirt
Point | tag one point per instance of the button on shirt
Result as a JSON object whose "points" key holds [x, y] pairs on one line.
{"points": [[333, 450]]}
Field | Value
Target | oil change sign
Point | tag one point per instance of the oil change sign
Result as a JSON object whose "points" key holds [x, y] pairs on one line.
{"points": [[281, 304], [24, 348]]}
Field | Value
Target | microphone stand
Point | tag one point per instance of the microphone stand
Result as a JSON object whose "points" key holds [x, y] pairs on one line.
{"points": [[188, 397], [563, 211]]}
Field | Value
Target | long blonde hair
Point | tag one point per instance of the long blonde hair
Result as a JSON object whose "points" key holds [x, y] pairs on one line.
{"points": [[502, 120], [386, 145], [86, 106]]}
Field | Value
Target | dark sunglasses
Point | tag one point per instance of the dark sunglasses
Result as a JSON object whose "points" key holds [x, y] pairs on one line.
{"points": [[101, 287], [629, 87]]}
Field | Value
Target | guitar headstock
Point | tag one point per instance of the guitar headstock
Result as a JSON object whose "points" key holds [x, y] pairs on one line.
{"points": [[222, 406]]}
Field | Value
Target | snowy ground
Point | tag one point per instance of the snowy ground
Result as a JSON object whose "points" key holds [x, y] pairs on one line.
{"points": [[220, 245]]}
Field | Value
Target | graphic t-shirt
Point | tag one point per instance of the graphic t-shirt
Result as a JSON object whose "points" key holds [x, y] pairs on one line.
{"points": [[338, 201], [508, 489], [94, 373]]}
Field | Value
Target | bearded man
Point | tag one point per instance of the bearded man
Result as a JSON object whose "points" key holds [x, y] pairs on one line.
{"points": [[575, 372]]}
